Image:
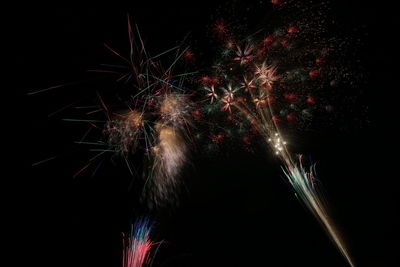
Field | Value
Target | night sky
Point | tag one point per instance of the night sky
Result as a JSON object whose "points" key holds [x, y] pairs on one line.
{"points": [[236, 209]]}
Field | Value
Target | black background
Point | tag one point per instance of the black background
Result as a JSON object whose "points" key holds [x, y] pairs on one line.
{"points": [[236, 212]]}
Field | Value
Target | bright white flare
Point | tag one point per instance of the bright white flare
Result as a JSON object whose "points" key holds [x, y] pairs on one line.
{"points": [[277, 143]]}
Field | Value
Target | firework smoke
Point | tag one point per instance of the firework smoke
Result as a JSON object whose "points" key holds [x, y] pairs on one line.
{"points": [[170, 153], [169, 157], [155, 123]]}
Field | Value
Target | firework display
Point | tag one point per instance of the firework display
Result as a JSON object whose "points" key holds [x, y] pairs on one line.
{"points": [[256, 87]]}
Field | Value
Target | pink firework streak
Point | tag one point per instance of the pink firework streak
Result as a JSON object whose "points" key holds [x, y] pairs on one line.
{"points": [[136, 247]]}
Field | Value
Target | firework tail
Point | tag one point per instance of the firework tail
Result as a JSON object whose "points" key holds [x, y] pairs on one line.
{"points": [[137, 247], [303, 183]]}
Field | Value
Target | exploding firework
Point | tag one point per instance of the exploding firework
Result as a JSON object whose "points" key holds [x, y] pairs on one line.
{"points": [[271, 82], [170, 152]]}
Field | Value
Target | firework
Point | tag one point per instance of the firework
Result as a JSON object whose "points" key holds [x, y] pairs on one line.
{"points": [[157, 123], [259, 82], [272, 82], [170, 152], [137, 247], [123, 132]]}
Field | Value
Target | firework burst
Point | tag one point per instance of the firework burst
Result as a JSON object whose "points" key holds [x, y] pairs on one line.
{"points": [[272, 90]]}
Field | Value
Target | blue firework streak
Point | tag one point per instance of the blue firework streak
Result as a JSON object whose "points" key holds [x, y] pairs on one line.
{"points": [[141, 229]]}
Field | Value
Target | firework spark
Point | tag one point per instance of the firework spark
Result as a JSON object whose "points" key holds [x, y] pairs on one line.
{"points": [[149, 119]]}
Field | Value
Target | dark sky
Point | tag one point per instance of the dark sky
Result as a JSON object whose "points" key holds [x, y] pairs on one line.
{"points": [[237, 211]]}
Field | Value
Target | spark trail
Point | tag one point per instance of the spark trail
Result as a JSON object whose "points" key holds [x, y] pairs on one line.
{"points": [[145, 120], [137, 247]]}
